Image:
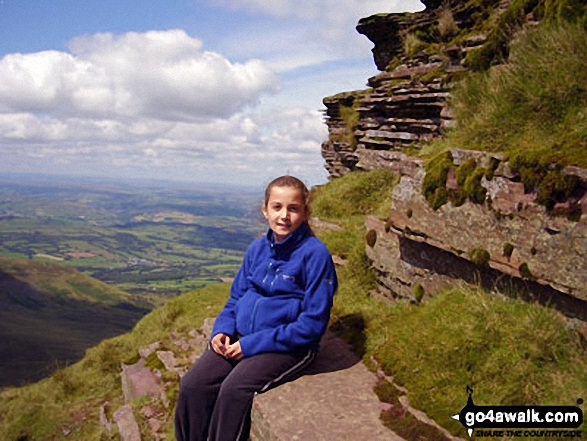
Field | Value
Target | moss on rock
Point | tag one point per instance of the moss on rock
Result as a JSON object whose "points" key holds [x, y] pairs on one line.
{"points": [[508, 249], [371, 238], [480, 257], [419, 292], [434, 183], [525, 272], [546, 178]]}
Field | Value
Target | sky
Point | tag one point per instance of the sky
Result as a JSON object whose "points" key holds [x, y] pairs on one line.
{"points": [[202, 91]]}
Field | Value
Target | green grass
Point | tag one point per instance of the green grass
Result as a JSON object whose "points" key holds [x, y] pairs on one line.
{"points": [[534, 105], [532, 109], [355, 194], [347, 202], [58, 280], [510, 351], [70, 399]]}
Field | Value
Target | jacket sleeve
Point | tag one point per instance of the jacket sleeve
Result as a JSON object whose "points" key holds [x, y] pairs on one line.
{"points": [[225, 322], [308, 328]]}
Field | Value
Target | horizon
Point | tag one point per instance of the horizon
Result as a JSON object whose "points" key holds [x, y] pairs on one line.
{"points": [[211, 91], [120, 183]]}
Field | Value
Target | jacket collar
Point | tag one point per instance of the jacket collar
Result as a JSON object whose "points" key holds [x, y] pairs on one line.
{"points": [[290, 241]]}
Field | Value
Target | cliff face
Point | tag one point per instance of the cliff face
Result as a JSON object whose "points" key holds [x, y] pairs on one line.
{"points": [[505, 240], [508, 243], [406, 103]]}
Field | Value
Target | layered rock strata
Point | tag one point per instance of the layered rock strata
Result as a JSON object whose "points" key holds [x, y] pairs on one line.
{"points": [[406, 104], [398, 113], [508, 243]]}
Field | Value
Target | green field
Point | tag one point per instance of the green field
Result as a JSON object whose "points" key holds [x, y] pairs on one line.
{"points": [[152, 241], [143, 244]]}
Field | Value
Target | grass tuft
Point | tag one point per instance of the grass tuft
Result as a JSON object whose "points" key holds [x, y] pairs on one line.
{"points": [[355, 194]]}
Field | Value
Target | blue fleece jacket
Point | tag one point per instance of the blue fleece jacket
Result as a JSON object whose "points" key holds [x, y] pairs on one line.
{"points": [[281, 297]]}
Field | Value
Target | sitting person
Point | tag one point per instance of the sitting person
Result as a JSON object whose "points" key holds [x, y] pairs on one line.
{"points": [[270, 327]]}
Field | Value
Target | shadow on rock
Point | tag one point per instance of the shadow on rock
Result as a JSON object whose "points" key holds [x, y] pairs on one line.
{"points": [[341, 347]]}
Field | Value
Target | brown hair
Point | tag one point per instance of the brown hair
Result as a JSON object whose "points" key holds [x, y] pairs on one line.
{"points": [[292, 182]]}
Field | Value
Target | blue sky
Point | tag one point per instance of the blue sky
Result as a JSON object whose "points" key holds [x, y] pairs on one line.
{"points": [[204, 91]]}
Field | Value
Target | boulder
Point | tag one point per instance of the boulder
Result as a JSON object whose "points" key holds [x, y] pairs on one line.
{"points": [[128, 429], [333, 400], [139, 381]]}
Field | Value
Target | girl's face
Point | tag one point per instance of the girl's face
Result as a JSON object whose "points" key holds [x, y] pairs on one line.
{"points": [[285, 211]]}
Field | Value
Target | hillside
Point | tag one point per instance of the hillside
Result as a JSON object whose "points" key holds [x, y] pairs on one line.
{"points": [[480, 110], [50, 314], [69, 401], [420, 347], [436, 293]]}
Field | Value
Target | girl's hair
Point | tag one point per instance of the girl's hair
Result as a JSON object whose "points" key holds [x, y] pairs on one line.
{"points": [[292, 182]]}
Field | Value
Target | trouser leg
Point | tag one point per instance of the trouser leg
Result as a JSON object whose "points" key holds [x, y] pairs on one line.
{"points": [[197, 396], [257, 374]]}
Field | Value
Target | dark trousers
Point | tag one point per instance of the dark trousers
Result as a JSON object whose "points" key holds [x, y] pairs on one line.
{"points": [[216, 395]]}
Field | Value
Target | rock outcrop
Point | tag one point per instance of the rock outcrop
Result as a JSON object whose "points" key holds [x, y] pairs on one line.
{"points": [[503, 238], [407, 103], [333, 399], [508, 242], [402, 110], [150, 384]]}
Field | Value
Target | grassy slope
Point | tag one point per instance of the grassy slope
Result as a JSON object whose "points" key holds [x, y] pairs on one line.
{"points": [[70, 399], [533, 106], [61, 282], [511, 352], [50, 314]]}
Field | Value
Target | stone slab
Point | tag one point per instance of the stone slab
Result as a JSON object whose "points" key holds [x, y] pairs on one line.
{"points": [[139, 381], [128, 429], [333, 400]]}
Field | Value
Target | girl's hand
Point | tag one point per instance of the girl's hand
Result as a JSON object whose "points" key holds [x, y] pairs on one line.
{"points": [[220, 343], [234, 351]]}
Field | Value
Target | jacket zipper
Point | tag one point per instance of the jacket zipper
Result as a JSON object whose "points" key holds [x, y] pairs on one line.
{"points": [[267, 272], [276, 275]]}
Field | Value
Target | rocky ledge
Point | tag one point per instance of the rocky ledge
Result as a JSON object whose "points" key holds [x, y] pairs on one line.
{"points": [[508, 236], [506, 241], [333, 399], [406, 104]]}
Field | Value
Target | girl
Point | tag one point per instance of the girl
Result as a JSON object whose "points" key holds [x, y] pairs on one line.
{"points": [[269, 329]]}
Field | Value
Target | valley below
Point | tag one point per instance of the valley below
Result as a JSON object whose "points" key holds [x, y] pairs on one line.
{"points": [[82, 261]]}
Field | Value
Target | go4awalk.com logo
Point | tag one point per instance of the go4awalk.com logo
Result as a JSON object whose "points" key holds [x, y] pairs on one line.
{"points": [[520, 421]]}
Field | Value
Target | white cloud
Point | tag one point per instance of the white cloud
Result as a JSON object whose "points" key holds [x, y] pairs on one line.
{"points": [[247, 147], [330, 10], [159, 74], [157, 104], [305, 33]]}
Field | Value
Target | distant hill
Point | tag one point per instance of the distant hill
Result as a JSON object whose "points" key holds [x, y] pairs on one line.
{"points": [[50, 314]]}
